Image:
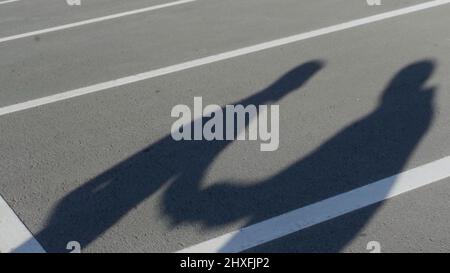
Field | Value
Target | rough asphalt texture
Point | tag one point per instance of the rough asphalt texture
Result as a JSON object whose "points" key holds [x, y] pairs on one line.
{"points": [[355, 106]]}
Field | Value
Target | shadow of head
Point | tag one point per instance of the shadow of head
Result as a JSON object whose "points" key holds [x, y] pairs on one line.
{"points": [[289, 82], [409, 85], [292, 80]]}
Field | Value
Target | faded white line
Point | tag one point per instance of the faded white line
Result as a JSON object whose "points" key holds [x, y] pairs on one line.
{"points": [[94, 20], [327, 209], [8, 1], [14, 236], [216, 58]]}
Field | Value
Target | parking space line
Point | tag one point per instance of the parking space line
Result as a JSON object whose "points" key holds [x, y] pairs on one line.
{"points": [[94, 20], [216, 58], [8, 1], [325, 210], [14, 236]]}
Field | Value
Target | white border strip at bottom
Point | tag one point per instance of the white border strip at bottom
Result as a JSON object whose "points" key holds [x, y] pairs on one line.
{"points": [[324, 210], [14, 236]]}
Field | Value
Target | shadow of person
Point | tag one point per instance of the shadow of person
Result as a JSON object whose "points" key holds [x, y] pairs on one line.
{"points": [[90, 210], [373, 147]]}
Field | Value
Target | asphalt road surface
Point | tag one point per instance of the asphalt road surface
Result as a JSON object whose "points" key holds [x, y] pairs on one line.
{"points": [[87, 156]]}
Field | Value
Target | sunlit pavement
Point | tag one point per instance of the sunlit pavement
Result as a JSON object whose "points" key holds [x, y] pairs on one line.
{"points": [[88, 159]]}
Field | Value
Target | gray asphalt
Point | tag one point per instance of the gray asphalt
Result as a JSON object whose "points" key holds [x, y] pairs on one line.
{"points": [[355, 106]]}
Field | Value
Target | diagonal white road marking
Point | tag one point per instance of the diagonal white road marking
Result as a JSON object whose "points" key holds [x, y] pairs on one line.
{"points": [[94, 20], [324, 210], [14, 236], [8, 1], [218, 57]]}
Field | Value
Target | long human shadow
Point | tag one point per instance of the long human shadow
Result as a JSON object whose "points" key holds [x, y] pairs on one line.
{"points": [[90, 210], [374, 147]]}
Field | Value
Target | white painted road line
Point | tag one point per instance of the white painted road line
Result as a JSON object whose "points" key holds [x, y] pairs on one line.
{"points": [[216, 58], [8, 1], [14, 236], [324, 210], [94, 20]]}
